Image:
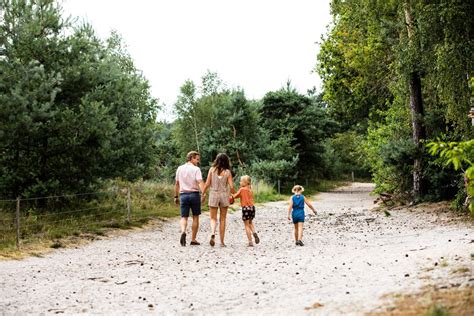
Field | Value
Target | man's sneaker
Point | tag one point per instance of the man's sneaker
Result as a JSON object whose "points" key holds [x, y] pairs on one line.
{"points": [[182, 240], [257, 240], [301, 243]]}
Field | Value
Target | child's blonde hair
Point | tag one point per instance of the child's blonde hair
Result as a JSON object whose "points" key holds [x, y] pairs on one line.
{"points": [[247, 179], [297, 189]]}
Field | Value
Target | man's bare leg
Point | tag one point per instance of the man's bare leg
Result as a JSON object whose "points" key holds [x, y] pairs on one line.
{"points": [[184, 225], [195, 227]]}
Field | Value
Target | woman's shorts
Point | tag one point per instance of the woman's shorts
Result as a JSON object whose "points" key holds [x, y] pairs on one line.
{"points": [[248, 213], [218, 199], [297, 216]]}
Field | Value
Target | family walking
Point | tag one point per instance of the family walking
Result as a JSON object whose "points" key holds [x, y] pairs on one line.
{"points": [[190, 192]]}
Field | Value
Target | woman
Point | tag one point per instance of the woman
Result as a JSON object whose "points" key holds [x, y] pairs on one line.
{"points": [[218, 179]]}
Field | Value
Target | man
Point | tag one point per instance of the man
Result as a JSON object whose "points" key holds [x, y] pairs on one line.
{"points": [[186, 189]]}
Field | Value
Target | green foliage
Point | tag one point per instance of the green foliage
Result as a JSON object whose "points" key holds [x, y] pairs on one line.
{"points": [[235, 130], [167, 153], [366, 60], [264, 192], [354, 61], [220, 120], [437, 310], [281, 137], [302, 120], [459, 155], [345, 154], [74, 109]]}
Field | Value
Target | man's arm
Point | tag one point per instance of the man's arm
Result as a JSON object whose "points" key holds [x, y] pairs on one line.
{"points": [[176, 192], [202, 187]]}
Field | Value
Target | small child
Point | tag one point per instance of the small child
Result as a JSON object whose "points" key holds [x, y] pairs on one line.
{"points": [[296, 211], [248, 209]]}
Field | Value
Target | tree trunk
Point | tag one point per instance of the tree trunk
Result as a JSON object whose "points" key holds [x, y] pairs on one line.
{"points": [[416, 109]]}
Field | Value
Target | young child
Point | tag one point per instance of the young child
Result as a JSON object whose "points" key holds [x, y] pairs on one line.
{"points": [[248, 209], [296, 211]]}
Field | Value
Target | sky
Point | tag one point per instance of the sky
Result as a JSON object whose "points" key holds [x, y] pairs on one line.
{"points": [[257, 45]]}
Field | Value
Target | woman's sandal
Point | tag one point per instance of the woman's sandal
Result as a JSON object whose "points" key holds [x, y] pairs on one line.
{"points": [[212, 242]]}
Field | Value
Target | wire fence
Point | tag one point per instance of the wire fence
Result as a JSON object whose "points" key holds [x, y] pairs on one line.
{"points": [[57, 216], [62, 215]]}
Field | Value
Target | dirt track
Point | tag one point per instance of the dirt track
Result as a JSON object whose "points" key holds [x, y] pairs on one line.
{"points": [[353, 259]]}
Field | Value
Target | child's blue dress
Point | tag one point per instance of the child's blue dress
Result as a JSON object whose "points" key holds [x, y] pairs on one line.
{"points": [[298, 208]]}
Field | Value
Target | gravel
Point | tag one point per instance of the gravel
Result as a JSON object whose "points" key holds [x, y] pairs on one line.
{"points": [[353, 259]]}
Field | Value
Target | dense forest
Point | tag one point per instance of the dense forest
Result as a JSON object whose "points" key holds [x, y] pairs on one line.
{"points": [[397, 89]]}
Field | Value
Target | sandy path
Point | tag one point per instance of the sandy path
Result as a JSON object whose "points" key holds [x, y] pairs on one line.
{"points": [[351, 258]]}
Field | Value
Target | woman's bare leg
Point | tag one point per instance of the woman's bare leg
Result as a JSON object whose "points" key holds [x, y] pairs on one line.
{"points": [[213, 216], [222, 222]]}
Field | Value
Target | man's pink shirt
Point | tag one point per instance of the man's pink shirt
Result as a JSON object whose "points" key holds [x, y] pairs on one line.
{"points": [[188, 176]]}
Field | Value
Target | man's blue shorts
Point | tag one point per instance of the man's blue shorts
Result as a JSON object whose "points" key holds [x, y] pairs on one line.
{"points": [[190, 200], [297, 216]]}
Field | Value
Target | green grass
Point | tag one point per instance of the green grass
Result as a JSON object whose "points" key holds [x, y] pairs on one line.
{"points": [[67, 219], [263, 192], [60, 220], [437, 310]]}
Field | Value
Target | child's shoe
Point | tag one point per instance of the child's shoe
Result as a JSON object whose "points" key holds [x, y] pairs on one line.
{"points": [[257, 240], [250, 244]]}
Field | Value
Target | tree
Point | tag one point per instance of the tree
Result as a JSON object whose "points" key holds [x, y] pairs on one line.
{"points": [[404, 68], [416, 98], [289, 115], [186, 110], [354, 62], [74, 110], [195, 109]]}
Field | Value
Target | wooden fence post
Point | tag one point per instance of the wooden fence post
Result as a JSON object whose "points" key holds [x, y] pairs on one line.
{"points": [[279, 187], [17, 222], [129, 204]]}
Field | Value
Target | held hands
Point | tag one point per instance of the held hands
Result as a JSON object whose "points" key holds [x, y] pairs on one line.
{"points": [[203, 197]]}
